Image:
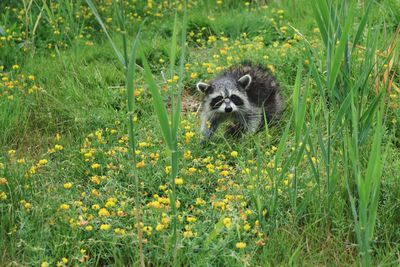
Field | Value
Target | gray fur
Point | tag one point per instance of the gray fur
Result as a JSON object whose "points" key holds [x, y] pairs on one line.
{"points": [[241, 94]]}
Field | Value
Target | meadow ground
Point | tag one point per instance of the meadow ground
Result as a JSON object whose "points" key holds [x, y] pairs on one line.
{"points": [[320, 188]]}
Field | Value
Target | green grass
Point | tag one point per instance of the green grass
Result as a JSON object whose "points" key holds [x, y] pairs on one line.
{"points": [[93, 136]]}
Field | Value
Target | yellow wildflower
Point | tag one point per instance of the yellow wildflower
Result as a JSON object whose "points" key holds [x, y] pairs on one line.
{"points": [[119, 231], [193, 75], [188, 234], [178, 181], [95, 166], [168, 169], [105, 227], [240, 245], [104, 212], [159, 227], [3, 196], [43, 162], [3, 181], [58, 147], [95, 179], [227, 222], [200, 201], [191, 219], [67, 185], [187, 154], [64, 206], [140, 164]]}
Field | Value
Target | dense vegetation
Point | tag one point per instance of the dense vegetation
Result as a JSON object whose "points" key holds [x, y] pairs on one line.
{"points": [[101, 162]]}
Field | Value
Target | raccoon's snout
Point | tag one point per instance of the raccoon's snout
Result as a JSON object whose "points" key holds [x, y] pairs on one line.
{"points": [[228, 107]]}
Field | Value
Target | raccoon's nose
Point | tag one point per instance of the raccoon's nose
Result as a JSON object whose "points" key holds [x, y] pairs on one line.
{"points": [[228, 109]]}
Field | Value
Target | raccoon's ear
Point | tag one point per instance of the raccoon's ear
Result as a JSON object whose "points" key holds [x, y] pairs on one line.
{"points": [[245, 81], [202, 87]]}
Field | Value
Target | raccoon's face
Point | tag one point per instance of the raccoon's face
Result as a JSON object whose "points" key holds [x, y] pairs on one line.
{"points": [[225, 95]]}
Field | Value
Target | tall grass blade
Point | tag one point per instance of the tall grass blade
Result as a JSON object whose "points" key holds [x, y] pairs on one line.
{"points": [[367, 118], [373, 177], [362, 25], [158, 104], [172, 55], [343, 110], [321, 23], [103, 26], [130, 76], [339, 51], [178, 101], [282, 142]]}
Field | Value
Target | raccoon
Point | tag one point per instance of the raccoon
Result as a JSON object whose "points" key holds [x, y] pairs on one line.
{"points": [[242, 94]]}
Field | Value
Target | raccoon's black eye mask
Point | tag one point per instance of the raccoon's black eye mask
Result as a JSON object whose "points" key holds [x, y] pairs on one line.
{"points": [[217, 101], [236, 100]]}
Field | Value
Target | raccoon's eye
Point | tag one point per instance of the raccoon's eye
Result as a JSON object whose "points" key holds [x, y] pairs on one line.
{"points": [[236, 100], [216, 102]]}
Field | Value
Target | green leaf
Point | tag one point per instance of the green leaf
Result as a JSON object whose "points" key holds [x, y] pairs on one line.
{"points": [[321, 24], [372, 178], [158, 104], [344, 107], [172, 55], [178, 105], [339, 51], [362, 24], [282, 142], [214, 233]]}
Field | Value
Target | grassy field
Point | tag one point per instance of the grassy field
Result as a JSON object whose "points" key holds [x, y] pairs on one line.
{"points": [[100, 155]]}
